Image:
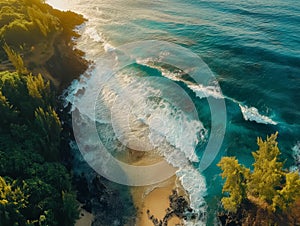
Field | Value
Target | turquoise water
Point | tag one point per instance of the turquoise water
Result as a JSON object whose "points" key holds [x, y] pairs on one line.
{"points": [[252, 48]]}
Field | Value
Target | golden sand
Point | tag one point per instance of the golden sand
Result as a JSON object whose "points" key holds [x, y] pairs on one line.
{"points": [[156, 200]]}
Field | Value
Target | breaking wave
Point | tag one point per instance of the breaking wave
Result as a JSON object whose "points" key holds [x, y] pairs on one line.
{"points": [[252, 114]]}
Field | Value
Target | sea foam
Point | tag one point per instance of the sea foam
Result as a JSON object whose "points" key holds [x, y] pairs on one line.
{"points": [[157, 119], [252, 114], [296, 156]]}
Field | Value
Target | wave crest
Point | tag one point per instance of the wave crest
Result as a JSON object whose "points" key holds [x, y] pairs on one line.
{"points": [[252, 114]]}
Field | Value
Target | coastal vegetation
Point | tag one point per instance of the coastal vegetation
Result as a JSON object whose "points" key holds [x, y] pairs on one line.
{"points": [[38, 38], [266, 195], [35, 182], [34, 185], [38, 60]]}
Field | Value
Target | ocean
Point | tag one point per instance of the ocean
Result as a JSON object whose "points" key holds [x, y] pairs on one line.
{"points": [[252, 50]]}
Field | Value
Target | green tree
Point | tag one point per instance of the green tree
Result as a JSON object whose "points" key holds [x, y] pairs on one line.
{"points": [[267, 175], [8, 113], [39, 91], [12, 202], [15, 59], [288, 194], [14, 89], [235, 184], [41, 195], [37, 188], [17, 162], [267, 186], [48, 123], [55, 174], [43, 20], [36, 86]]}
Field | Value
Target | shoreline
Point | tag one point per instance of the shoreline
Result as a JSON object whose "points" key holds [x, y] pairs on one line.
{"points": [[155, 202], [85, 217]]}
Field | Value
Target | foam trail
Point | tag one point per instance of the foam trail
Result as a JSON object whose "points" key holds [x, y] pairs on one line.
{"points": [[200, 90], [212, 90]]}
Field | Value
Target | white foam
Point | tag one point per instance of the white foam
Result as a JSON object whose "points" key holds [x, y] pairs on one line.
{"points": [[252, 114], [96, 36], [213, 90], [201, 91], [296, 156], [172, 129], [296, 152], [75, 90], [91, 37], [93, 34], [195, 184], [191, 180], [206, 91], [108, 47], [181, 130]]}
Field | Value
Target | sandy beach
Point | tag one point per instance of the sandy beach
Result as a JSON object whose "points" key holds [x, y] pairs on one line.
{"points": [[85, 219], [155, 198]]}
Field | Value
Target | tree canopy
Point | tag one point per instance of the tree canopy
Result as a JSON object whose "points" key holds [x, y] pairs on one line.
{"points": [[267, 186], [235, 184], [26, 22], [35, 187]]}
